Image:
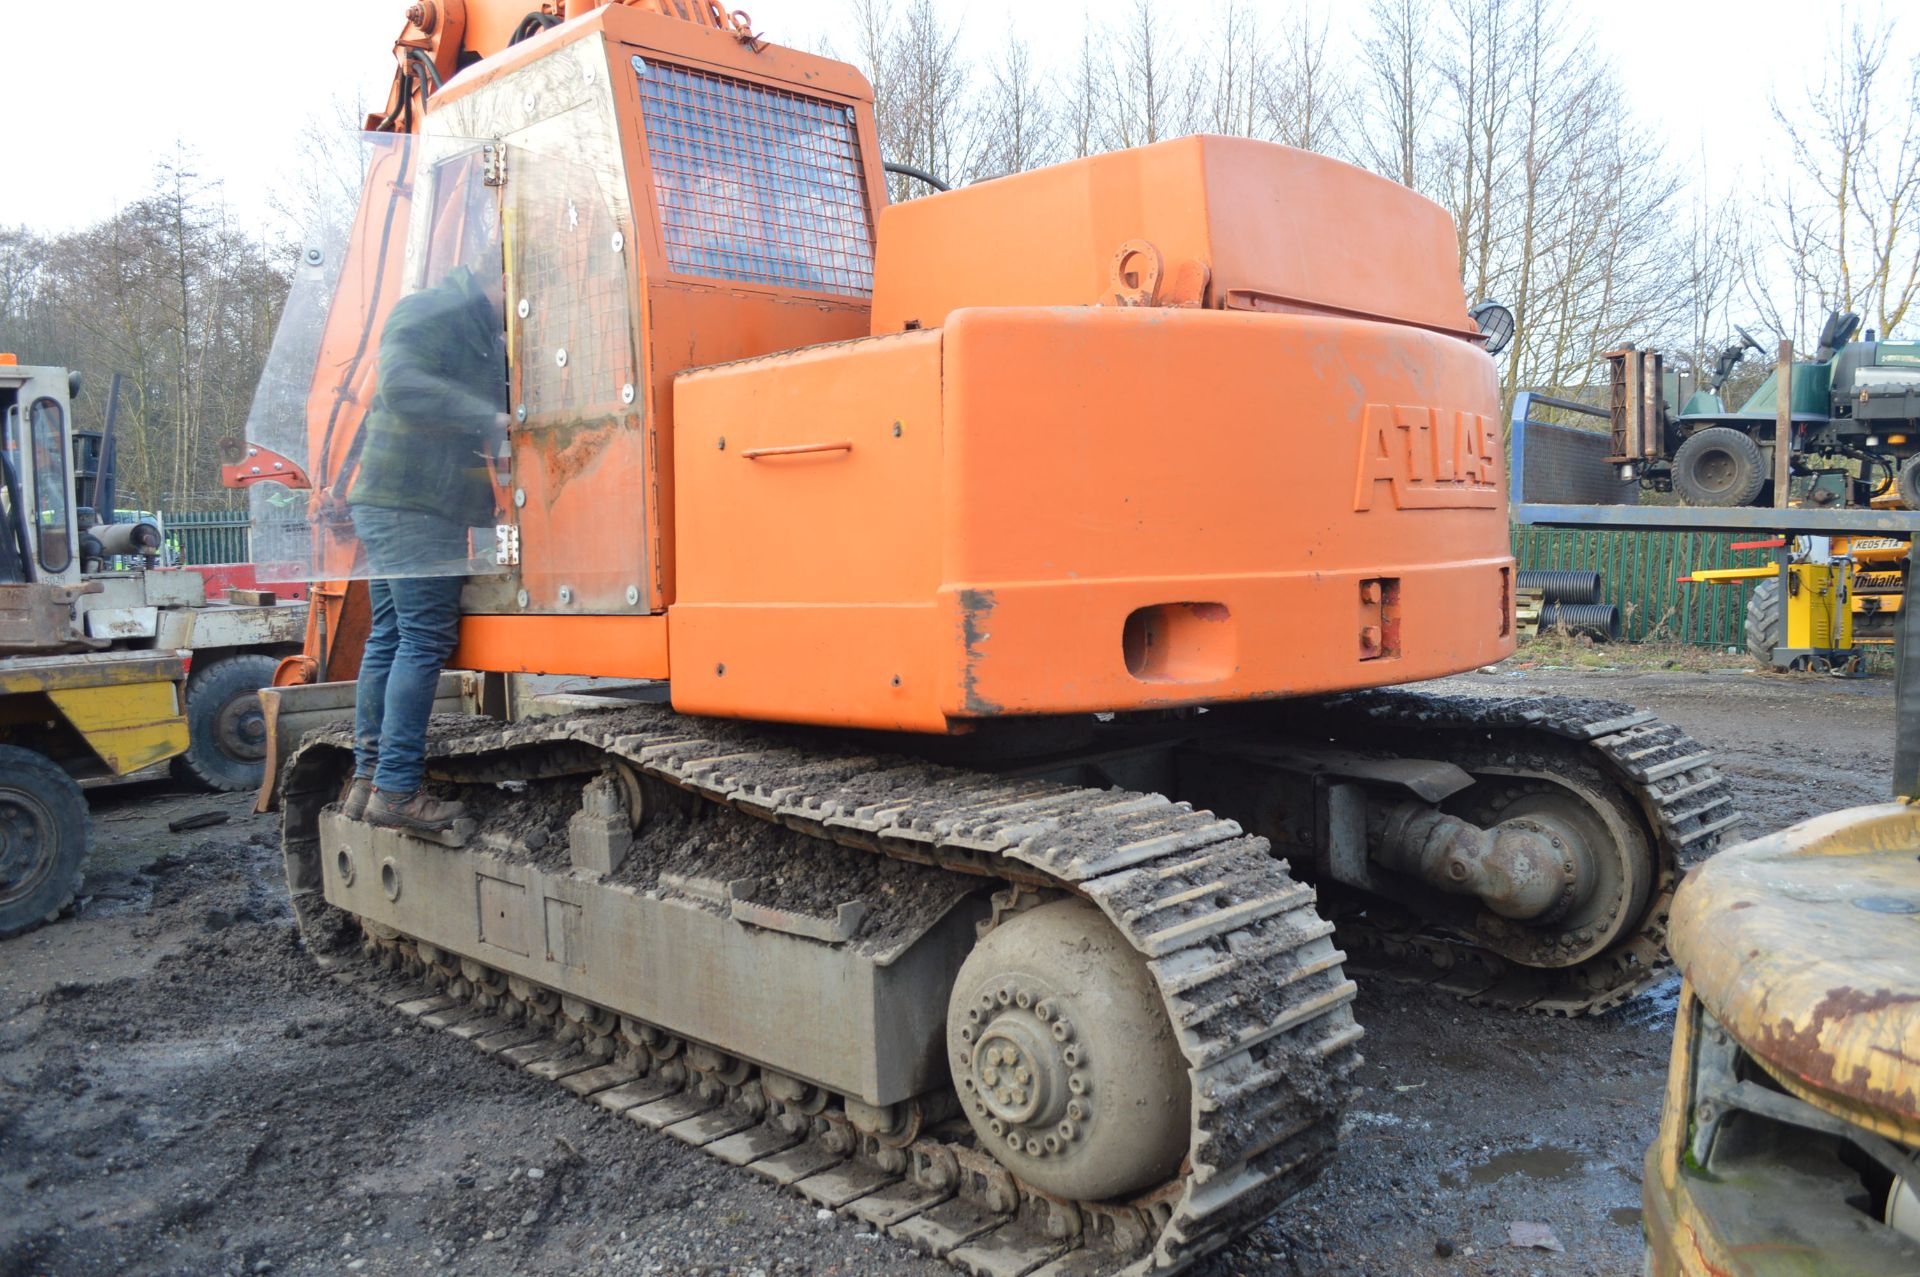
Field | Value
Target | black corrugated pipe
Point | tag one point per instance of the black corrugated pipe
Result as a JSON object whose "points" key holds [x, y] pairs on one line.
{"points": [[1559, 585], [1599, 621]]}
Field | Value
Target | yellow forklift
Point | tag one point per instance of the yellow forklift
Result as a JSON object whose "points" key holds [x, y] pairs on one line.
{"points": [[72, 708]]}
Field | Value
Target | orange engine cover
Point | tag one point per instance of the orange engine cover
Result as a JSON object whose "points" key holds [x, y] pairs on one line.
{"points": [[1038, 510], [1233, 223]]}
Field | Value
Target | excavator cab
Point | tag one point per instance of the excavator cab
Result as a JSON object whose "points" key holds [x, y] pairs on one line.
{"points": [[594, 157]]}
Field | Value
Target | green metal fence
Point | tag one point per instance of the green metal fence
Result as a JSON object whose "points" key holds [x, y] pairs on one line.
{"points": [[1642, 571], [209, 536]]}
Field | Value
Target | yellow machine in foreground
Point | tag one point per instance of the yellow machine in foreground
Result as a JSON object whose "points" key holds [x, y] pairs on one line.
{"points": [[67, 713], [64, 718], [1792, 1117]]}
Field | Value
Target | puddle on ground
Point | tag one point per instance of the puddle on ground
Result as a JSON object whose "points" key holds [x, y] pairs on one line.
{"points": [[1626, 1217], [1545, 1163], [1653, 1008]]}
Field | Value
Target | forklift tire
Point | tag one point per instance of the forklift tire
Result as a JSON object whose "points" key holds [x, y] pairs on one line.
{"points": [[1718, 466], [1763, 621], [43, 839], [226, 730], [1907, 482]]}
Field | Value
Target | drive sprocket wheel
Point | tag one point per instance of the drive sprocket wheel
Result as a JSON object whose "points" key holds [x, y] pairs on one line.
{"points": [[1612, 866]]}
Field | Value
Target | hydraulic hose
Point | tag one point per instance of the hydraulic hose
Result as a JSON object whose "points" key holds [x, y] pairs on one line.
{"points": [[918, 174]]}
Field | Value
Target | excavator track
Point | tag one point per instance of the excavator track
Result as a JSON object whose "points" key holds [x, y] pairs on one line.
{"points": [[1687, 805], [1245, 968]]}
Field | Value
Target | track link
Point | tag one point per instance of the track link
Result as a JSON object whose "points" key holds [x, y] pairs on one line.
{"points": [[1688, 807], [1247, 971]]}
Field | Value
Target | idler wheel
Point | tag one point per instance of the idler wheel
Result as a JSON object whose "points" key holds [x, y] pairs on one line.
{"points": [[1063, 1057]]}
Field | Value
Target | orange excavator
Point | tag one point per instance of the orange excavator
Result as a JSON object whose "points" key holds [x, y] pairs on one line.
{"points": [[989, 597]]}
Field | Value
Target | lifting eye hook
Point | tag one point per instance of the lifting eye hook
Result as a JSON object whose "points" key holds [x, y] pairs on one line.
{"points": [[1135, 278]]}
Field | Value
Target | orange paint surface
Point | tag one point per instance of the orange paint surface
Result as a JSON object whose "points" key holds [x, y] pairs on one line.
{"points": [[596, 646], [1061, 527], [1199, 422], [1275, 228]]}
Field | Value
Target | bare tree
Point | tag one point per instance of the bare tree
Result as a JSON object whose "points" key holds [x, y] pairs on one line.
{"points": [[1851, 241], [318, 190], [1086, 106], [173, 294], [1394, 117], [1018, 126], [1236, 95], [924, 106], [1713, 250], [1152, 98], [1305, 96]]}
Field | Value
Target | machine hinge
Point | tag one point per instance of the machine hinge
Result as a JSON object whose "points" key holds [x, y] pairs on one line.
{"points": [[493, 164], [506, 545]]}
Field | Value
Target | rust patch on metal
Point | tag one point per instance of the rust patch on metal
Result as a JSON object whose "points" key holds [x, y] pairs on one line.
{"points": [[1803, 1053], [567, 451], [976, 606]]}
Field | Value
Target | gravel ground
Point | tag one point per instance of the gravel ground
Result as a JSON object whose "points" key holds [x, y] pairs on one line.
{"points": [[180, 1092]]}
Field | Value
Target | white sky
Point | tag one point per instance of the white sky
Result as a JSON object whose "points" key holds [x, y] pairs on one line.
{"points": [[106, 89]]}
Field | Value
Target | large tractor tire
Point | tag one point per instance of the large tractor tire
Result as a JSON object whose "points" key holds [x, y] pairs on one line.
{"points": [[1907, 482], [226, 729], [43, 839], [1765, 630], [1718, 466]]}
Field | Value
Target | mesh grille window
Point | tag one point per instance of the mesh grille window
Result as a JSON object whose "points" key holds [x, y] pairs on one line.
{"points": [[755, 184]]}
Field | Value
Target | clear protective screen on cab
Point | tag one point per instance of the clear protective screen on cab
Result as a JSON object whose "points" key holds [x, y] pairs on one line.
{"points": [[387, 383]]}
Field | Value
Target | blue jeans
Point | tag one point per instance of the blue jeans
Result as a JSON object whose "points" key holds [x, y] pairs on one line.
{"points": [[416, 620]]}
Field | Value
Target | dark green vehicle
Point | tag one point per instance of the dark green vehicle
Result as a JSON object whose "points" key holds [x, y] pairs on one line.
{"points": [[1855, 411]]}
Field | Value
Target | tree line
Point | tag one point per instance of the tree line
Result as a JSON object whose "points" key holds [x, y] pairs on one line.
{"points": [[176, 297], [1569, 206]]}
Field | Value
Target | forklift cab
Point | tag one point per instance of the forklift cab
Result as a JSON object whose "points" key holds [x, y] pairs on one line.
{"points": [[38, 525]]}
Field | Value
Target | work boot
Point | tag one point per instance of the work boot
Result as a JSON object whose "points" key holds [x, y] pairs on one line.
{"points": [[418, 813], [353, 803]]}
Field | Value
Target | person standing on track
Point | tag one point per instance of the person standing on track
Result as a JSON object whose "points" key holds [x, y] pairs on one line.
{"points": [[421, 487]]}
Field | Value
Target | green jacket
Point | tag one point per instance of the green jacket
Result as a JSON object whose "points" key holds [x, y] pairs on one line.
{"points": [[442, 382]]}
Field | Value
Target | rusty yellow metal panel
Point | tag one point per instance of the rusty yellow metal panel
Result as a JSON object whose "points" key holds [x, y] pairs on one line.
{"points": [[125, 705], [89, 669], [129, 725], [1799, 947], [1673, 1233], [1801, 944]]}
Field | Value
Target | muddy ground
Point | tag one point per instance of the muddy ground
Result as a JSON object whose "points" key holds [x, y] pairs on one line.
{"points": [[181, 1093]]}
